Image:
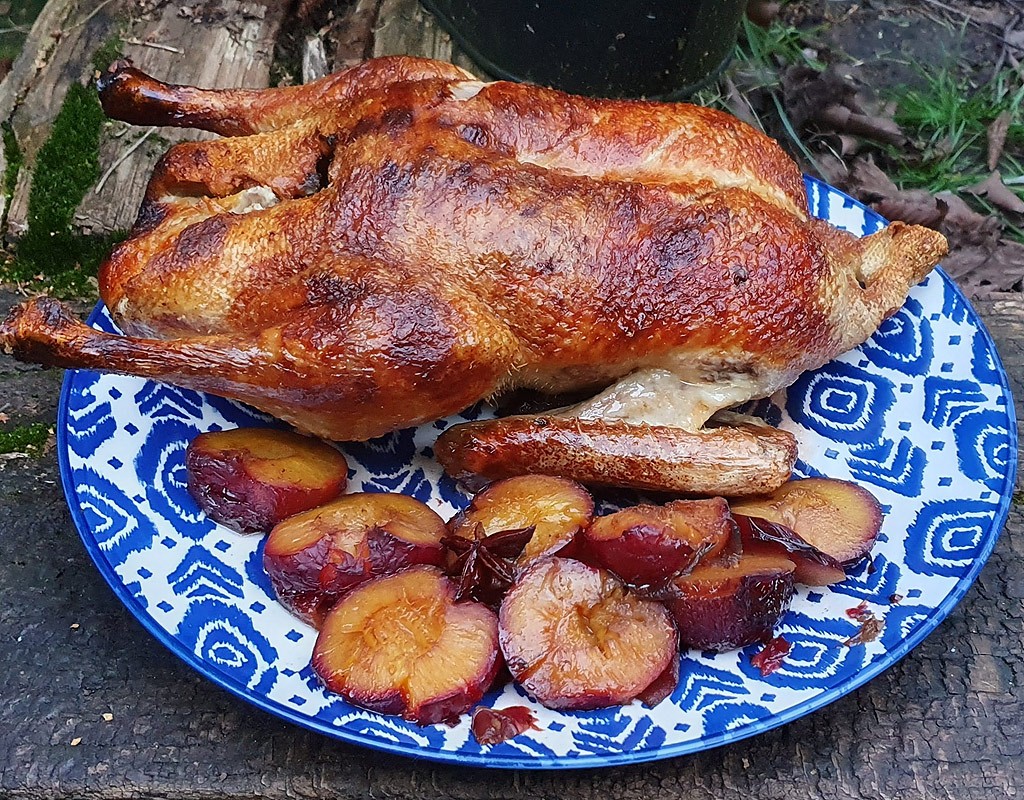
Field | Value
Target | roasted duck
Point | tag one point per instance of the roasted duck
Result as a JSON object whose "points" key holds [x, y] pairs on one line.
{"points": [[395, 242]]}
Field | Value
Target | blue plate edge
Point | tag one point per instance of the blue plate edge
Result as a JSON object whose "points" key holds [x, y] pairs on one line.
{"points": [[921, 631]]}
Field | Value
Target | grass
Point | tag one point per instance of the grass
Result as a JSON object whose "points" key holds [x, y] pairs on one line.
{"points": [[25, 439], [760, 56], [777, 45], [108, 53], [68, 163], [15, 24], [52, 254], [948, 122]]}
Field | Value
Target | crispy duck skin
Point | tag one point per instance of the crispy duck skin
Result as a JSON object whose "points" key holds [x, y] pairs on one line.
{"points": [[395, 242]]}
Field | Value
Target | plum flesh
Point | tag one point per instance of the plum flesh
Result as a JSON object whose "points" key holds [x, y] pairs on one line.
{"points": [[315, 557], [575, 638], [249, 479], [401, 645]]}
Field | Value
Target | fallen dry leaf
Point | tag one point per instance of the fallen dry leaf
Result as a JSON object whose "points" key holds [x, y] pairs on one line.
{"points": [[848, 145], [979, 270], [833, 169], [878, 128], [997, 138], [830, 101], [997, 193], [979, 259], [913, 206], [965, 225], [805, 92], [868, 182], [763, 12]]}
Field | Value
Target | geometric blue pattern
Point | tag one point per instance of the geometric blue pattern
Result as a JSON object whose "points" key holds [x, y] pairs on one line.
{"points": [[898, 465], [902, 342], [920, 415]]}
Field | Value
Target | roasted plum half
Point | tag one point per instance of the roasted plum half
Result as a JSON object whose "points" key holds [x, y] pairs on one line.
{"points": [[249, 479], [731, 602], [401, 645], [837, 517], [575, 638], [648, 545], [813, 567], [315, 557], [556, 508]]}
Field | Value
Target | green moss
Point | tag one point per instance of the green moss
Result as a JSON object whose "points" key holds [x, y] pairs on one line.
{"points": [[108, 53], [25, 439], [68, 163], [52, 254], [13, 158]]}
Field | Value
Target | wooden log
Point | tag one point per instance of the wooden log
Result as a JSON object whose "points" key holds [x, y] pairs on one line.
{"points": [[405, 27], [351, 35], [230, 43], [314, 59], [57, 50]]}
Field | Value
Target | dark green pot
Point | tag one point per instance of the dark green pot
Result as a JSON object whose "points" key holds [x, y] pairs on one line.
{"points": [[609, 48]]}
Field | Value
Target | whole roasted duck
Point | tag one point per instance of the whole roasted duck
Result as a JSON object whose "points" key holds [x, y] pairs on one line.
{"points": [[395, 242]]}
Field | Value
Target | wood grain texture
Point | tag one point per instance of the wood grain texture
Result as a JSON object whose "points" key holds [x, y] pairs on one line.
{"points": [[214, 44], [57, 51], [946, 721], [404, 27]]}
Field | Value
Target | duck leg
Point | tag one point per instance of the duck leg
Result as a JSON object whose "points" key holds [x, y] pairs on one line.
{"points": [[131, 95], [290, 163], [339, 372]]}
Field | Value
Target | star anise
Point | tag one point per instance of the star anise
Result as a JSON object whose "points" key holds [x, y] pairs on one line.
{"points": [[485, 566]]}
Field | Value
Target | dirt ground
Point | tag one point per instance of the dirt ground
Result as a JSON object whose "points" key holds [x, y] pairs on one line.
{"points": [[890, 43]]}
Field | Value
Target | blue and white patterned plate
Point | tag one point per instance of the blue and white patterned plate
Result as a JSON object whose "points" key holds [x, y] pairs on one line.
{"points": [[921, 415]]}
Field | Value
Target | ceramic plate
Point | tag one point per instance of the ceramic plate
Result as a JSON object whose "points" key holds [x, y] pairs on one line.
{"points": [[920, 414]]}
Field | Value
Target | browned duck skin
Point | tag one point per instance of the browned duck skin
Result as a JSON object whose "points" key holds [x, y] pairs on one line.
{"points": [[130, 95], [396, 242]]}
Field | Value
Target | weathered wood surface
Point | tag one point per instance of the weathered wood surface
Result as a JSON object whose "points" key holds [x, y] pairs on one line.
{"points": [[211, 43], [404, 26], [945, 722]]}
